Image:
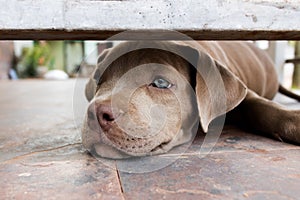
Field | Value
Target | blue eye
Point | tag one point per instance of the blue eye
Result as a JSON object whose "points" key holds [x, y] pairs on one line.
{"points": [[161, 83]]}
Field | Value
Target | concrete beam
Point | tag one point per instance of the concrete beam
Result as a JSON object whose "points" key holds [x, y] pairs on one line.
{"points": [[99, 19]]}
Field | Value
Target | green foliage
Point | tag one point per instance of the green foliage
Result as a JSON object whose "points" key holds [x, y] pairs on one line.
{"points": [[38, 55]]}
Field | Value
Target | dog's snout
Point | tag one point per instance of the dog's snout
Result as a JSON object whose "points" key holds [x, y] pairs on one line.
{"points": [[105, 116]]}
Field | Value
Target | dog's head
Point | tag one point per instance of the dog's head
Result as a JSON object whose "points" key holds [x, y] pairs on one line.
{"points": [[144, 101]]}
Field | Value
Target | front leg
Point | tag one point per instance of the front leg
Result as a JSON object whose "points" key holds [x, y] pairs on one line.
{"points": [[268, 117]]}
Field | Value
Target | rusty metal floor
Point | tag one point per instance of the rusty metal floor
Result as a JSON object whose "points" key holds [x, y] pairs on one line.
{"points": [[41, 158]]}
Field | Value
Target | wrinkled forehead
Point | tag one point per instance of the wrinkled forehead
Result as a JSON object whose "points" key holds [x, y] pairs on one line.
{"points": [[145, 56]]}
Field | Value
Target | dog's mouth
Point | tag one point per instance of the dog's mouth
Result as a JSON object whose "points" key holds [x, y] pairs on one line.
{"points": [[126, 145], [111, 152]]}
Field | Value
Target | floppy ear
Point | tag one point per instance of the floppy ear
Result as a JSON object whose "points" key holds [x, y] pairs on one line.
{"points": [[91, 86], [217, 90]]}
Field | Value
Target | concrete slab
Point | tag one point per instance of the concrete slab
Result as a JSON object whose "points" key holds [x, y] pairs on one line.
{"points": [[214, 19], [42, 157]]}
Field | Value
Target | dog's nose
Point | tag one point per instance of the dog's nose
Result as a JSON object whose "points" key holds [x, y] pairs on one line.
{"points": [[105, 116]]}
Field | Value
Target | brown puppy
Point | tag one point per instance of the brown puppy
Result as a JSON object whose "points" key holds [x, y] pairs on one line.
{"points": [[142, 99]]}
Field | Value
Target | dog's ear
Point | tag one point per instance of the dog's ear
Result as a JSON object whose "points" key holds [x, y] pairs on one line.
{"points": [[91, 86], [215, 98], [217, 89]]}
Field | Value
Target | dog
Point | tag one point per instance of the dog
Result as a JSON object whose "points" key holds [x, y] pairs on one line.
{"points": [[163, 86]]}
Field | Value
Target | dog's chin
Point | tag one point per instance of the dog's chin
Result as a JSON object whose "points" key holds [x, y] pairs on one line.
{"points": [[102, 150], [106, 151]]}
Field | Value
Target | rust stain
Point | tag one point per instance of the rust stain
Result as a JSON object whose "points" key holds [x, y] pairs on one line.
{"points": [[278, 158], [163, 191], [294, 176], [258, 151]]}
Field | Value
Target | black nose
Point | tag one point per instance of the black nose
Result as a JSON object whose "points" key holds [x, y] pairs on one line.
{"points": [[105, 116]]}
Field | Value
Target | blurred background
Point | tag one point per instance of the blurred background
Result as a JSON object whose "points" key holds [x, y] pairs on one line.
{"points": [[48, 59], [62, 60]]}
